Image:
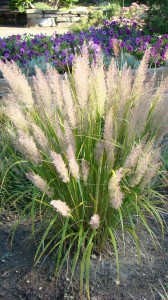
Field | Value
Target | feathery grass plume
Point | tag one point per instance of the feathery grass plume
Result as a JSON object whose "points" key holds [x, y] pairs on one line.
{"points": [[40, 137], [108, 137], [60, 166], [142, 164], [95, 221], [27, 146], [60, 135], [84, 170], [54, 81], [133, 157], [69, 137], [73, 165], [15, 114], [150, 174], [43, 93], [61, 207], [18, 83], [140, 77], [116, 195], [99, 85], [69, 105], [99, 151], [112, 81], [143, 105], [125, 79], [40, 183], [81, 73]]}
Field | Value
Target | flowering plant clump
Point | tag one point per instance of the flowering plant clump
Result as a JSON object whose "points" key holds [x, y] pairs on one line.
{"points": [[60, 50], [90, 145], [134, 11]]}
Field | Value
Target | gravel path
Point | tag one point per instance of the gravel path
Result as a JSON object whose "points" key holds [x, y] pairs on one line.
{"points": [[7, 31]]}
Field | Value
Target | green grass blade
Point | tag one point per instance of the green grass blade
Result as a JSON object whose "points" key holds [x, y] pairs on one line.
{"points": [[114, 244]]}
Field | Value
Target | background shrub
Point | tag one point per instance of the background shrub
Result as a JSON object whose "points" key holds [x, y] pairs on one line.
{"points": [[157, 16]]}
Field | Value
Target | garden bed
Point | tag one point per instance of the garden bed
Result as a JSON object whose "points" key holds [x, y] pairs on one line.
{"points": [[21, 280]]}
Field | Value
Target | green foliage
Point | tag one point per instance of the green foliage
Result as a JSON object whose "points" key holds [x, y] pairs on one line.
{"points": [[96, 18], [15, 189], [123, 59], [157, 17], [90, 145], [42, 5], [39, 62], [114, 10], [21, 5]]}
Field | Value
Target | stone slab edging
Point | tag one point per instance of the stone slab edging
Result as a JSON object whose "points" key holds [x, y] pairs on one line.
{"points": [[161, 74], [60, 17]]}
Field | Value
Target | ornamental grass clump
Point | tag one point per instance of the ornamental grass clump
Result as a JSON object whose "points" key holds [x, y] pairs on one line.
{"points": [[90, 143]]}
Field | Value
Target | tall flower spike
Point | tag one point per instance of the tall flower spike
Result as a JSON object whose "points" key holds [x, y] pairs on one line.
{"points": [[142, 166], [61, 207], [81, 66], [14, 112], [43, 92], [95, 221], [108, 134], [28, 147], [54, 80], [116, 196], [85, 170], [99, 150], [99, 85], [73, 165], [70, 139], [133, 157], [40, 137], [60, 166], [69, 102], [39, 182]]}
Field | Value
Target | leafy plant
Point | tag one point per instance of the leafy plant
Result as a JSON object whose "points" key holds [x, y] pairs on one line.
{"points": [[90, 144], [21, 5], [42, 5], [157, 16], [29, 69]]}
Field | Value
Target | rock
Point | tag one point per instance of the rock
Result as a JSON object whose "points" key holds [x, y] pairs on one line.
{"points": [[62, 19], [76, 19], [47, 22], [34, 16], [32, 22]]}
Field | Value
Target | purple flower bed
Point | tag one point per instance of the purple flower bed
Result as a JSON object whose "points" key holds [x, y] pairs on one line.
{"points": [[60, 49]]}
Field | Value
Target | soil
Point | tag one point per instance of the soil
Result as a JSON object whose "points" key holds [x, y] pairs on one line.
{"points": [[21, 280]]}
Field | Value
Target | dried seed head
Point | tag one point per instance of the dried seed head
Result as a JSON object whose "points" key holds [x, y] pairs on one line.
{"points": [[73, 165], [95, 221], [18, 83], [39, 182], [27, 146], [40, 137], [61, 207], [116, 196], [85, 170], [60, 166]]}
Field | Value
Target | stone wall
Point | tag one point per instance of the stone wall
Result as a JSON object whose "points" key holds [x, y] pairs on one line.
{"points": [[59, 17], [161, 74]]}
